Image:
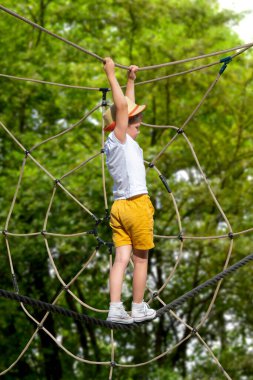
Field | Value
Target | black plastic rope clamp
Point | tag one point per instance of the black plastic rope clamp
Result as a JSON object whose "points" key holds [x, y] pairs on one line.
{"points": [[113, 364], [181, 236], [151, 165], [107, 214], [100, 241], [104, 91], [27, 152], [194, 331], [164, 181], [65, 287], [110, 246], [4, 232], [98, 221], [56, 181], [180, 131], [92, 232], [43, 233], [231, 235], [225, 62], [154, 295], [102, 151], [226, 59]]}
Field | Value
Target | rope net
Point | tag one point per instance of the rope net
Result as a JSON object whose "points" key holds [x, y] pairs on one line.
{"points": [[98, 222]]}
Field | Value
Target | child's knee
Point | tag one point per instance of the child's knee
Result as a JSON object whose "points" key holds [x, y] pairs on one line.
{"points": [[140, 256]]}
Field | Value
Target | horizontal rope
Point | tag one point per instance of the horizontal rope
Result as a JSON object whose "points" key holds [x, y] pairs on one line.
{"points": [[117, 326]]}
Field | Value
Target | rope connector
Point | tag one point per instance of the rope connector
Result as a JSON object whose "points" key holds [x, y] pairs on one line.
{"points": [[194, 331], [92, 232], [226, 59], [102, 151], [154, 295], [225, 62], [100, 241], [4, 232], [43, 232], [104, 90], [57, 181], [151, 165], [98, 221], [107, 214], [39, 326], [27, 152], [180, 236], [65, 287], [164, 181], [180, 131], [231, 235], [113, 364], [110, 246]]}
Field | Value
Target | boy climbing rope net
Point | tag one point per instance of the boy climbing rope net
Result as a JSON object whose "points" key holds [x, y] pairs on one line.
{"points": [[132, 211]]}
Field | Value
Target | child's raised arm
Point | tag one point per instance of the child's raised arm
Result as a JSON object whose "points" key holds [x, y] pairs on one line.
{"points": [[131, 76], [119, 100]]}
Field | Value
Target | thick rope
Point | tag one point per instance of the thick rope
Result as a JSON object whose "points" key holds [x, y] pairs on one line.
{"points": [[212, 281], [117, 326]]}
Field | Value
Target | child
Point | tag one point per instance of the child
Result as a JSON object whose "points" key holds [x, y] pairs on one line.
{"points": [[132, 211]]}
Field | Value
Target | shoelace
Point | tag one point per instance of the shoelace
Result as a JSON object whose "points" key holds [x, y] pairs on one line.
{"points": [[123, 312], [145, 308]]}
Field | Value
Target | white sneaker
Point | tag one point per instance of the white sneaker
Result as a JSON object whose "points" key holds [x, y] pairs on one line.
{"points": [[142, 312], [118, 314]]}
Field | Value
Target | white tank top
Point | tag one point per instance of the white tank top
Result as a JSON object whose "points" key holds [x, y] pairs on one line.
{"points": [[126, 166]]}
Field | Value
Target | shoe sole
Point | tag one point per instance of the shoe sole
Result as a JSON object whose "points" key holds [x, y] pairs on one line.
{"points": [[122, 321]]}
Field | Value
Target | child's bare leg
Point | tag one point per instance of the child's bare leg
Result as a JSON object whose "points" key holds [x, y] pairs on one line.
{"points": [[117, 272], [140, 259]]}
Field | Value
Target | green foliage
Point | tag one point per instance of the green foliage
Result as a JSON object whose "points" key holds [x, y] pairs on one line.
{"points": [[144, 33]]}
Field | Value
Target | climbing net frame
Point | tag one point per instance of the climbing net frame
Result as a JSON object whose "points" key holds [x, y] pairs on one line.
{"points": [[58, 184]]}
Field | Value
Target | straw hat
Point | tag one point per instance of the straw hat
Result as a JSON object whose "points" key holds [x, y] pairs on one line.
{"points": [[110, 115]]}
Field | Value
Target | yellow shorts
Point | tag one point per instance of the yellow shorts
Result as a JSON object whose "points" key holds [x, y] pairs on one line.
{"points": [[132, 222]]}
